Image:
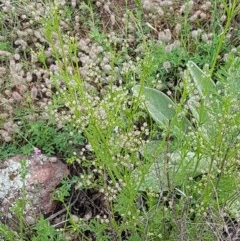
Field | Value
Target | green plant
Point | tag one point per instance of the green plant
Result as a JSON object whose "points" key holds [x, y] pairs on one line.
{"points": [[44, 231], [156, 178], [209, 146], [5, 46], [7, 233], [231, 10], [8, 150], [50, 139]]}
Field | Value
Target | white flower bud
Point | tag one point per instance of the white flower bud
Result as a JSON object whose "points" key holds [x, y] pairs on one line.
{"points": [[34, 92], [16, 96]]}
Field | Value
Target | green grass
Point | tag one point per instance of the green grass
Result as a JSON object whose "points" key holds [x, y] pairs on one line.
{"points": [[50, 139], [158, 180]]}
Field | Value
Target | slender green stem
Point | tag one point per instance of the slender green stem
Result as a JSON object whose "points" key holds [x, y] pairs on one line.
{"points": [[231, 10]]}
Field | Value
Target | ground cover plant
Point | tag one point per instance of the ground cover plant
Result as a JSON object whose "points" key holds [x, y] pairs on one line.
{"points": [[141, 100]]}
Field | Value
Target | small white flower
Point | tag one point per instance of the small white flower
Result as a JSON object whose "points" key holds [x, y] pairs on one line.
{"points": [[167, 65]]}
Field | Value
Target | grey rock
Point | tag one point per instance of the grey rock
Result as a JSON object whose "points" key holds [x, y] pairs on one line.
{"points": [[31, 179]]}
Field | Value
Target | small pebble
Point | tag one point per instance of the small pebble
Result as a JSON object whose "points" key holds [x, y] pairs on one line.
{"points": [[30, 220], [52, 159], [75, 218]]}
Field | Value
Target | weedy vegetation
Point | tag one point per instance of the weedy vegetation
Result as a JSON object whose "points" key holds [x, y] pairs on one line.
{"points": [[141, 100]]}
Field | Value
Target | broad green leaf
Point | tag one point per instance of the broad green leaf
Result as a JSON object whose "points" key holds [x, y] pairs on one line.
{"points": [[192, 103], [209, 103], [180, 167], [228, 195], [199, 111], [149, 176], [189, 164], [204, 83], [160, 107]]}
